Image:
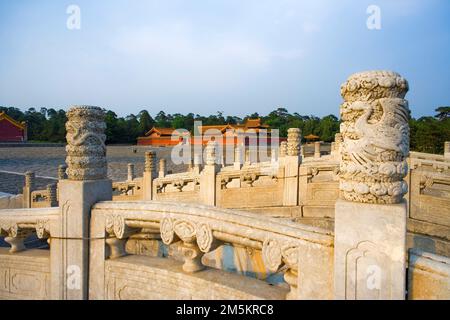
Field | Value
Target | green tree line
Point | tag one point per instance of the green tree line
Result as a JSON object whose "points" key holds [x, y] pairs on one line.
{"points": [[428, 134]]}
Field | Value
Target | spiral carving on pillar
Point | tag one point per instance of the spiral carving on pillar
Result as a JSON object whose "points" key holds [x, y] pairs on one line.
{"points": [[150, 161], [293, 142], [86, 150], [375, 134]]}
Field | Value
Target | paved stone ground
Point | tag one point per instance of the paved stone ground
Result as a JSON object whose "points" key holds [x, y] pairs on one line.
{"points": [[44, 161], [13, 183]]}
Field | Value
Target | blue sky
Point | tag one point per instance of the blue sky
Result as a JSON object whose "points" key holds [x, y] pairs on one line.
{"points": [[203, 56]]}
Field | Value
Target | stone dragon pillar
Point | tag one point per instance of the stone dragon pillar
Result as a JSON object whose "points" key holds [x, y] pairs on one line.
{"points": [[370, 217], [87, 184]]}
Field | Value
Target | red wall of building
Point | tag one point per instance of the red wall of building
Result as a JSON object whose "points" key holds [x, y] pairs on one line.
{"points": [[9, 132]]}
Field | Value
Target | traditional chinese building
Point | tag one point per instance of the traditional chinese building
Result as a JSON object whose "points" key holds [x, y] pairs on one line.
{"points": [[250, 132], [12, 130], [161, 137]]}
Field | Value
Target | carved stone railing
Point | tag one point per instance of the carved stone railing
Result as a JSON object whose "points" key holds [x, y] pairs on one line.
{"points": [[181, 186], [428, 276], [259, 184], [28, 272], [18, 224], [304, 254], [45, 198], [318, 188], [127, 190]]}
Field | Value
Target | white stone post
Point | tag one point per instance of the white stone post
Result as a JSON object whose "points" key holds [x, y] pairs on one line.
{"points": [[336, 150], [447, 150], [162, 168], [87, 184], [149, 175], [370, 217], [52, 195], [208, 176], [62, 172], [247, 161], [197, 164], [283, 149], [317, 149], [291, 168], [282, 153], [237, 158], [28, 188], [130, 174]]}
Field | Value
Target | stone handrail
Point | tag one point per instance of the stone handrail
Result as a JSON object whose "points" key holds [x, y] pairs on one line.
{"points": [[127, 188], [426, 156], [17, 224], [249, 174], [178, 180], [305, 252], [45, 198]]}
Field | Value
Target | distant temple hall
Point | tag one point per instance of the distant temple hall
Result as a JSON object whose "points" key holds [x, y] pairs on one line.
{"points": [[251, 132], [12, 130]]}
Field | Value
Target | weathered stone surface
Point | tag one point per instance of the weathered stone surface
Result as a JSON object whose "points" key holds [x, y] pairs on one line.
{"points": [[25, 276], [370, 255], [202, 228], [376, 137], [428, 276], [86, 150], [293, 142], [147, 278]]}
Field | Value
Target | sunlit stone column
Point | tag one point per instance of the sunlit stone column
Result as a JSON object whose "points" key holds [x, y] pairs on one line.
{"points": [[370, 217], [283, 149], [282, 152], [28, 188], [131, 174], [317, 149], [336, 150], [197, 163], [149, 175], [238, 158], [208, 176], [447, 150], [52, 195], [162, 168], [291, 168], [87, 184]]}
